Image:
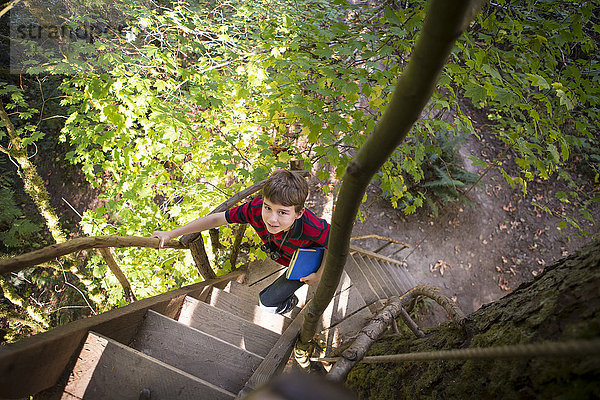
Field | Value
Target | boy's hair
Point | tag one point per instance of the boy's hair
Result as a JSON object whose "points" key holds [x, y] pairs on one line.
{"points": [[286, 188]]}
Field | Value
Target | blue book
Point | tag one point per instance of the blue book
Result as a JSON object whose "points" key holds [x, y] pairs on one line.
{"points": [[304, 262]]}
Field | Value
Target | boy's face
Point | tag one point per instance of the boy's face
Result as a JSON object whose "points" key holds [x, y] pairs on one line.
{"points": [[279, 218]]}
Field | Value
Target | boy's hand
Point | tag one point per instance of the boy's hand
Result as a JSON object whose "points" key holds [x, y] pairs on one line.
{"points": [[162, 236], [311, 279]]}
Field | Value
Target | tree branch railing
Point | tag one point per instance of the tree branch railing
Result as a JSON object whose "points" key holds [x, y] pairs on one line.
{"points": [[379, 324], [388, 241], [49, 253]]}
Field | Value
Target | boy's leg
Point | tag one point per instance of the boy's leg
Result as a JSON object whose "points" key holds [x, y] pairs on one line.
{"points": [[279, 295]]}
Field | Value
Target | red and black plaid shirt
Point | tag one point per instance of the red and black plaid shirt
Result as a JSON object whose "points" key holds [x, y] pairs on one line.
{"points": [[307, 231]]}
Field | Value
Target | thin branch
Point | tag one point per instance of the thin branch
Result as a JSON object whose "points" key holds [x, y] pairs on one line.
{"points": [[8, 7]]}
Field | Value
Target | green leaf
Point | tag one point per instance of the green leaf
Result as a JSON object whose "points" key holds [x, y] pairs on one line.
{"points": [[476, 92], [390, 15], [538, 81]]}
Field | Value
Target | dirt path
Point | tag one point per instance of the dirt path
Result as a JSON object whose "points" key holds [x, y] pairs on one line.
{"points": [[478, 252]]}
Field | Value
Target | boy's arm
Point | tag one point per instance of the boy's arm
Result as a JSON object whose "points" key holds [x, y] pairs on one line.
{"points": [[198, 225], [315, 277]]}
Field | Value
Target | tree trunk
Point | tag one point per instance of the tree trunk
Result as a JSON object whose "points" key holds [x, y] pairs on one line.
{"points": [[560, 305], [35, 188]]}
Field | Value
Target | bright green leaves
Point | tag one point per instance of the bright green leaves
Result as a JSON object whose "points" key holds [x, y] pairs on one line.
{"points": [[391, 16], [476, 93], [534, 78]]}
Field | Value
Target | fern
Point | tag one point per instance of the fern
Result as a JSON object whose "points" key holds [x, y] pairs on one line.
{"points": [[439, 178], [15, 228]]}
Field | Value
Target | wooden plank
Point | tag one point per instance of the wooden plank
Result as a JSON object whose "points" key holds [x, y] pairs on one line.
{"points": [[382, 279], [343, 304], [392, 279], [37, 362], [348, 328], [405, 279], [107, 369], [228, 327], [371, 278], [242, 292], [398, 275], [190, 350], [360, 281], [277, 357], [250, 312]]}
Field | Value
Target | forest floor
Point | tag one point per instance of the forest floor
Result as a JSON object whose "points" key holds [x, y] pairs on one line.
{"points": [[479, 250]]}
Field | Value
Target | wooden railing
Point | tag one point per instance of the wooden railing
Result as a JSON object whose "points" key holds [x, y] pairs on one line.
{"points": [[17, 263]]}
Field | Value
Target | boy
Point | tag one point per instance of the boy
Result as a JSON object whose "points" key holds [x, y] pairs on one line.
{"points": [[283, 224]]}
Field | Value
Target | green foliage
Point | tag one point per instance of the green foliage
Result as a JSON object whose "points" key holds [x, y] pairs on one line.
{"points": [[15, 228], [428, 169], [538, 83], [204, 99], [193, 101], [15, 104], [537, 80]]}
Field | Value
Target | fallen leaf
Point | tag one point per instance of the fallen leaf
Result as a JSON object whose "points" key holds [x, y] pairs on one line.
{"points": [[440, 266], [503, 283]]}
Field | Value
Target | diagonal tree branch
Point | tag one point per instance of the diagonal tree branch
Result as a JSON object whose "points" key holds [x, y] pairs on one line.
{"points": [[444, 23]]}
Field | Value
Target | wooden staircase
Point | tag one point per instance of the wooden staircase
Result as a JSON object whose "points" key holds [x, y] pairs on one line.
{"points": [[368, 279], [207, 341]]}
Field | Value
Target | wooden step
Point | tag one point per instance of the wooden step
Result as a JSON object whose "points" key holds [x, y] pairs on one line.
{"points": [[391, 278], [202, 355], [360, 281], [242, 292], [250, 312], [371, 277], [226, 326], [344, 304], [277, 358], [384, 281], [250, 295], [348, 328], [106, 369], [404, 278], [346, 300]]}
